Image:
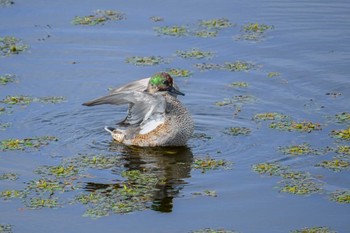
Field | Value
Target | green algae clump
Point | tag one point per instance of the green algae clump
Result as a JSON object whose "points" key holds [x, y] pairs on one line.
{"points": [[145, 61], [253, 31], [314, 230], [343, 134], [303, 126], [334, 164], [208, 163], [9, 176], [172, 30], [301, 149], [216, 23], [340, 196], [269, 116], [194, 54], [11, 45], [177, 72], [235, 131], [7, 78], [23, 144], [300, 186], [343, 117], [99, 17], [272, 169]]}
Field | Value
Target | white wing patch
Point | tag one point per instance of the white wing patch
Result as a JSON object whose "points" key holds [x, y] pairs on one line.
{"points": [[151, 124]]}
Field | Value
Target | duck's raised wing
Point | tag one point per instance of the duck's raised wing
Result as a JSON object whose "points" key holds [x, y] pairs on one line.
{"points": [[141, 104], [139, 85]]}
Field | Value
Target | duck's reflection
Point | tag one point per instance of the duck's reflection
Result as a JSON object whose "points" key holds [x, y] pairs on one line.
{"points": [[170, 165]]}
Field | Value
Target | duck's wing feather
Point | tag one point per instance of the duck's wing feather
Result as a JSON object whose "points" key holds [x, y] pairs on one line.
{"points": [[139, 85], [142, 105]]}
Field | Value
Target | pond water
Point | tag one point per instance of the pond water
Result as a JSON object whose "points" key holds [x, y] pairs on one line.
{"points": [[285, 57]]}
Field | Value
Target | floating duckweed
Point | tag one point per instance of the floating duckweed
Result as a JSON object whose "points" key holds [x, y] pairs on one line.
{"points": [[5, 228], [9, 176], [237, 66], [22, 144], [228, 66], [272, 169], [38, 203], [3, 126], [236, 99], [235, 131], [343, 117], [176, 72], [172, 30], [216, 23], [202, 136], [11, 45], [335, 164], [313, 230], [99, 17], [21, 99], [209, 230], [254, 31], [7, 78], [269, 116], [299, 150], [295, 175], [304, 126], [145, 61], [48, 185], [58, 171], [300, 186], [205, 34], [340, 196], [239, 84], [50, 99], [156, 18], [95, 161], [273, 74], [343, 134], [345, 150], [194, 53], [10, 194], [208, 163], [209, 193]]}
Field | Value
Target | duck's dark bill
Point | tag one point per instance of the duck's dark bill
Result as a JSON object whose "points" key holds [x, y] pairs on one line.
{"points": [[174, 91]]}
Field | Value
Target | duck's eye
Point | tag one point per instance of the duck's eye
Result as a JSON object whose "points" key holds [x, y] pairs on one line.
{"points": [[166, 82]]}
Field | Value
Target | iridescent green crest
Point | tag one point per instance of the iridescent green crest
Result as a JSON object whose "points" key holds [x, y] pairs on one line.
{"points": [[157, 79]]}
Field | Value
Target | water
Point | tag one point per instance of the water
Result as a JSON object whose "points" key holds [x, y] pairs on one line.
{"points": [[308, 47]]}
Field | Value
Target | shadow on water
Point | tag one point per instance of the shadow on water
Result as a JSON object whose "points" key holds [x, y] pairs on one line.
{"points": [[171, 166]]}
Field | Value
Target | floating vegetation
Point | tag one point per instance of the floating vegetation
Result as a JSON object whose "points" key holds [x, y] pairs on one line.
{"points": [[11, 45], [172, 30], [239, 84], [254, 31], [334, 164], [209, 193], [9, 176], [269, 116], [273, 74], [194, 53], [99, 17], [6, 3], [25, 100], [156, 18], [98, 161], [304, 126], [343, 134], [209, 230], [235, 131], [216, 23], [38, 203], [340, 196], [301, 149], [334, 94], [7, 78], [235, 100], [228, 66], [5, 228], [49, 185], [133, 194], [145, 61], [345, 150], [300, 186], [11, 194], [57, 171], [201, 136], [205, 34], [23, 144], [176, 72], [343, 117], [208, 163], [272, 169], [3, 126], [314, 230]]}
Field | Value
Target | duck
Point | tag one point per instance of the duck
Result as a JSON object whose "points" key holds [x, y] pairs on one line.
{"points": [[155, 116]]}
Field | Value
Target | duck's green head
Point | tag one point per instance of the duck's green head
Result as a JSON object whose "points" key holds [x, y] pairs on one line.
{"points": [[162, 82]]}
